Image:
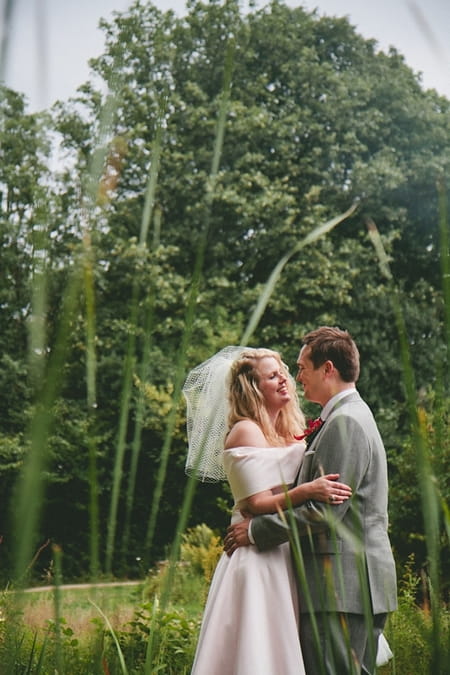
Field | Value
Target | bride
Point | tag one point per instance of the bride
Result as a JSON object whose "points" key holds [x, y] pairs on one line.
{"points": [[242, 419]]}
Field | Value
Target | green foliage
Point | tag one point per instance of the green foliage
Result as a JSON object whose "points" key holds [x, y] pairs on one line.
{"points": [[406, 518], [318, 119], [189, 580], [186, 585], [172, 630], [409, 629], [92, 649], [201, 549]]}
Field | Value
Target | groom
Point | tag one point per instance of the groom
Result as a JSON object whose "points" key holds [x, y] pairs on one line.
{"points": [[347, 581]]}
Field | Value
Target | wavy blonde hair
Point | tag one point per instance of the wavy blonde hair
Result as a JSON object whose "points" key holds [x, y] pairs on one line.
{"points": [[247, 401]]}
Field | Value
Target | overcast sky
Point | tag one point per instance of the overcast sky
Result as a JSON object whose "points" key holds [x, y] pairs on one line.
{"points": [[50, 41]]}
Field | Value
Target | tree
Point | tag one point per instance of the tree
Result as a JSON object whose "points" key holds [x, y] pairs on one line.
{"points": [[317, 120]]}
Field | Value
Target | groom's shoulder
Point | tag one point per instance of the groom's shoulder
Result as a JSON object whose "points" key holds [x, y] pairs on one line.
{"points": [[353, 400], [352, 406]]}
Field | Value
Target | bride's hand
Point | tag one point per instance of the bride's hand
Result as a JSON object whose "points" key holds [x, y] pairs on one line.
{"points": [[327, 489]]}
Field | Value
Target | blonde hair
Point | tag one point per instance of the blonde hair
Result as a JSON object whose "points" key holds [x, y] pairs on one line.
{"points": [[247, 401]]}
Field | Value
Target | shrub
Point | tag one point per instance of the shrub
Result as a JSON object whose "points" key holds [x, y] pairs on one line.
{"points": [[409, 630], [202, 549], [170, 634], [190, 578]]}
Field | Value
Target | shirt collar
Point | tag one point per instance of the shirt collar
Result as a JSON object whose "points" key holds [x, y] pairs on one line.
{"points": [[329, 405]]}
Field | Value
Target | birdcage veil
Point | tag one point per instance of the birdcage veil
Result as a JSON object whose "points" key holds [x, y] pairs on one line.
{"points": [[206, 394]]}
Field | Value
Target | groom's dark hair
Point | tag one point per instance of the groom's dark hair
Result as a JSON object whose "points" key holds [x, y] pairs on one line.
{"points": [[333, 344]]}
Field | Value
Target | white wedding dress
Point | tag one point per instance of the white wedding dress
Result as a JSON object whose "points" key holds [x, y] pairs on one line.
{"points": [[384, 653], [250, 622]]}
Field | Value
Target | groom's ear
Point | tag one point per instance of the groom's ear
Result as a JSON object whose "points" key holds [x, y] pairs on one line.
{"points": [[329, 368]]}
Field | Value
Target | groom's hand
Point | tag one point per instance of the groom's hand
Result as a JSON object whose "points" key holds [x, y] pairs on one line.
{"points": [[237, 535]]}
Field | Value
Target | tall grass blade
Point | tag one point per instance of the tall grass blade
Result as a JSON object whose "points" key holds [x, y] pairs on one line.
{"points": [[424, 26], [270, 284], [446, 512], [40, 663], [445, 261], [5, 26], [299, 564], [428, 492], [92, 191], [91, 368], [123, 666], [37, 324], [29, 667], [152, 179], [57, 607], [42, 42], [130, 361], [151, 643], [327, 584], [91, 361], [137, 437], [28, 498], [92, 188], [120, 447], [146, 346], [30, 486], [189, 319]]}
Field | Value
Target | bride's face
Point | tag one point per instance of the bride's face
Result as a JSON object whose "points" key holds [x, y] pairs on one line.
{"points": [[272, 383]]}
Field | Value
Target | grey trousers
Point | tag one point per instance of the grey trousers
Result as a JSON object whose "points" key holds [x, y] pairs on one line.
{"points": [[340, 644]]}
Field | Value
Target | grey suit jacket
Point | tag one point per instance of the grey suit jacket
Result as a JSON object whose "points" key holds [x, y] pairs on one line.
{"points": [[346, 562]]}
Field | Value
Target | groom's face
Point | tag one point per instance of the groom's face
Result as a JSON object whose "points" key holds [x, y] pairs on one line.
{"points": [[310, 378]]}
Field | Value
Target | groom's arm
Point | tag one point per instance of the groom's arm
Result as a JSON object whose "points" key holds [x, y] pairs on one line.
{"points": [[343, 448]]}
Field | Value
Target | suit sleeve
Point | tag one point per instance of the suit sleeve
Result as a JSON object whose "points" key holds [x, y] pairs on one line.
{"points": [[342, 447]]}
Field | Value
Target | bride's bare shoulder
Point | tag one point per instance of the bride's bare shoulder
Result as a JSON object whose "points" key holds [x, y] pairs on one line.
{"points": [[245, 433]]}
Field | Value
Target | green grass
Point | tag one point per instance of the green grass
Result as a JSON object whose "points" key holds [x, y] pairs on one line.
{"points": [[117, 602], [133, 611]]}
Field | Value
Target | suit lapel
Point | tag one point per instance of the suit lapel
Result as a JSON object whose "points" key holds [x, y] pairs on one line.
{"points": [[313, 438]]}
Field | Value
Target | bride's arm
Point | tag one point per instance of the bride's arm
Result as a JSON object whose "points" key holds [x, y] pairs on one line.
{"points": [[321, 489], [248, 433]]}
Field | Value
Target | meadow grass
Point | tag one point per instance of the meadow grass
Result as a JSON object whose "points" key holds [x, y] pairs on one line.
{"points": [[131, 611], [118, 602]]}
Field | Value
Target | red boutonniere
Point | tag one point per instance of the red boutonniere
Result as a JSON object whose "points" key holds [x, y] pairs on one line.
{"points": [[312, 428]]}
